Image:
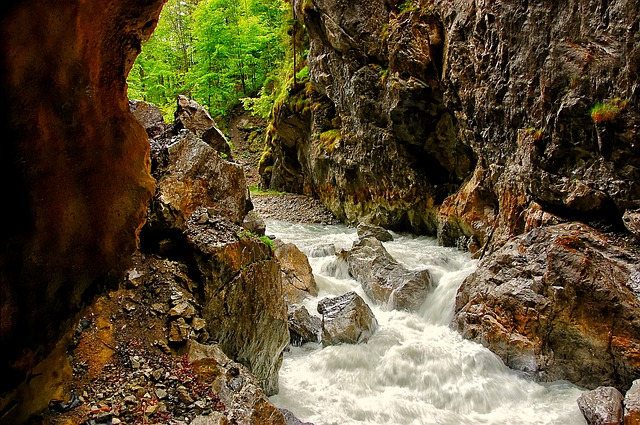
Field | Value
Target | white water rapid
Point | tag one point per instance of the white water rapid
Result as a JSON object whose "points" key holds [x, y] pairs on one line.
{"points": [[415, 369]]}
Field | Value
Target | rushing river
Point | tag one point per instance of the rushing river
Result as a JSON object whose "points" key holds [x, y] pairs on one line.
{"points": [[415, 369]]}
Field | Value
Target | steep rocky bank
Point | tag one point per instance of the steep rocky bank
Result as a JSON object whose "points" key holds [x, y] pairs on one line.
{"points": [[464, 119], [481, 122]]}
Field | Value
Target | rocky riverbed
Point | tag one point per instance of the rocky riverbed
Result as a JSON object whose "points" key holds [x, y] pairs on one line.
{"points": [[292, 207]]}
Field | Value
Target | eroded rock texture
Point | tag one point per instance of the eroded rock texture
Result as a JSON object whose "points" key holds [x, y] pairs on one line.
{"points": [[75, 163], [453, 117], [378, 142], [522, 79], [561, 302], [242, 300]]}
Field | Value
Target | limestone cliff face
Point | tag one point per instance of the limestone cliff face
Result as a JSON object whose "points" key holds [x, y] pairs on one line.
{"points": [[458, 117], [380, 144], [481, 122], [75, 162], [522, 79]]}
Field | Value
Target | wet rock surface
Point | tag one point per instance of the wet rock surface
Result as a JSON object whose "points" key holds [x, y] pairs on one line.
{"points": [[383, 279], [346, 319], [560, 302], [303, 327], [602, 406], [297, 277], [365, 230]]}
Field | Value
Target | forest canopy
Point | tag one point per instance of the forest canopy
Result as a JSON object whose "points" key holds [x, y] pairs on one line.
{"points": [[216, 52]]}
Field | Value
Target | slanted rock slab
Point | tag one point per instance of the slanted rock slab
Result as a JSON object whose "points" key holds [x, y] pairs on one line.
{"points": [[297, 277], [385, 280]]}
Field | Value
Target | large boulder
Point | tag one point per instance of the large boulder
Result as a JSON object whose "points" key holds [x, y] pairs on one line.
{"points": [[346, 319], [245, 402], [242, 300], [195, 175], [149, 116], [561, 302], [602, 406], [297, 277], [385, 280]]}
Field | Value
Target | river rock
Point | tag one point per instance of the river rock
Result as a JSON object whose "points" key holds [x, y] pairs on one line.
{"points": [[196, 176], [303, 327], [253, 223], [631, 220], [346, 319], [292, 419], [385, 280], [297, 277], [561, 302], [242, 303], [632, 404], [602, 406], [244, 400], [366, 230]]}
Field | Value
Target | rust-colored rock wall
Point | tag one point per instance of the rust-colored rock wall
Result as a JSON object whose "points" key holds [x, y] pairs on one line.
{"points": [[75, 162]]}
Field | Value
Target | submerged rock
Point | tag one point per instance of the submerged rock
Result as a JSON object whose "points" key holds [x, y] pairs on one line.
{"points": [[385, 280], [602, 406], [561, 302], [346, 319]]}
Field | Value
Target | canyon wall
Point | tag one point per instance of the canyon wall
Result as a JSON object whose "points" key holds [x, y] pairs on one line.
{"points": [[467, 119], [75, 163], [508, 128]]}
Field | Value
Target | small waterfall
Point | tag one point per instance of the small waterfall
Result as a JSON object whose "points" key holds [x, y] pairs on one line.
{"points": [[415, 369]]}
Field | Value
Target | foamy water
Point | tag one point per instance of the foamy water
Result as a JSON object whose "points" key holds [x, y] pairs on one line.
{"points": [[415, 369]]}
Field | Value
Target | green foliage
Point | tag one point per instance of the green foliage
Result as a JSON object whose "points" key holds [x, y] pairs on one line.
{"points": [[268, 241], [329, 139], [608, 110], [214, 51], [255, 190]]}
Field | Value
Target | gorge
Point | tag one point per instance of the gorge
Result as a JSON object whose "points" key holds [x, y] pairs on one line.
{"points": [[508, 129]]}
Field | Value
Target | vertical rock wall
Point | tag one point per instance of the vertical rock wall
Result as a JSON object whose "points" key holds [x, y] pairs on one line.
{"points": [[466, 118], [522, 79], [75, 162]]}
